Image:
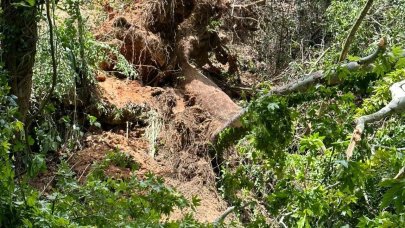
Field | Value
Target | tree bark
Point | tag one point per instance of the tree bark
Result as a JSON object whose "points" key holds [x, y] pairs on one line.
{"points": [[19, 28]]}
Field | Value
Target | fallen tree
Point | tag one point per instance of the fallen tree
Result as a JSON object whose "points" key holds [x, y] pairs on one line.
{"points": [[331, 79], [173, 40]]}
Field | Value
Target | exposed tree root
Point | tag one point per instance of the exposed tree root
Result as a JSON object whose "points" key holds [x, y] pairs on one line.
{"points": [[208, 95], [397, 104]]}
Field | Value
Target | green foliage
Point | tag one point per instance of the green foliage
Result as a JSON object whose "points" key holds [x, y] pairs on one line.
{"points": [[291, 160], [386, 18], [110, 202], [271, 119], [381, 92], [101, 201], [213, 25], [117, 159], [121, 63], [9, 127], [305, 180], [93, 121], [317, 186]]}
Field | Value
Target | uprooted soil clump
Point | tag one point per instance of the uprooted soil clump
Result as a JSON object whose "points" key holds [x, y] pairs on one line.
{"points": [[170, 142], [165, 118]]}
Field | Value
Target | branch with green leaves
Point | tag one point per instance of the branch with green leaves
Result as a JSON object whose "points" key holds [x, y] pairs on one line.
{"points": [[329, 78]]}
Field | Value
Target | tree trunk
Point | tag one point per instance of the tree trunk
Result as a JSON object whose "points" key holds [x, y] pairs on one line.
{"points": [[19, 28]]}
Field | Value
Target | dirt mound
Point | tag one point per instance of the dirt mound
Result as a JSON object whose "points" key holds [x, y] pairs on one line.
{"points": [[180, 106], [175, 149]]}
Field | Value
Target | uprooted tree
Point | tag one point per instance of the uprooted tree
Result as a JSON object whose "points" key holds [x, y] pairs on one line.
{"points": [[287, 166], [174, 39]]}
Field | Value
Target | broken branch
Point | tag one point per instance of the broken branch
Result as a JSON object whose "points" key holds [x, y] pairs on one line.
{"points": [[400, 174], [354, 29], [397, 104], [223, 216]]}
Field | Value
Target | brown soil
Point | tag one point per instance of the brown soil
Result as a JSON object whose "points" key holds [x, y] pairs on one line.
{"points": [[182, 158], [123, 92]]}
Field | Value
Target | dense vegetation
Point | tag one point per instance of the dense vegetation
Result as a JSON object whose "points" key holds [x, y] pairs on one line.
{"points": [[293, 161]]}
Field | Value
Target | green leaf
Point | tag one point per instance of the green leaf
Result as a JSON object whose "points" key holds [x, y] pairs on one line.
{"points": [[195, 201], [6, 145], [301, 222], [26, 223], [31, 200], [31, 141], [31, 2], [397, 51], [390, 195], [37, 165], [50, 108], [272, 106], [400, 63], [388, 182], [19, 125], [353, 58], [379, 70], [344, 163]]}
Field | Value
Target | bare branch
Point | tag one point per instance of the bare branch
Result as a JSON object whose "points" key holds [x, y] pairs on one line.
{"points": [[354, 29], [257, 3], [222, 217], [397, 104], [400, 174]]}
